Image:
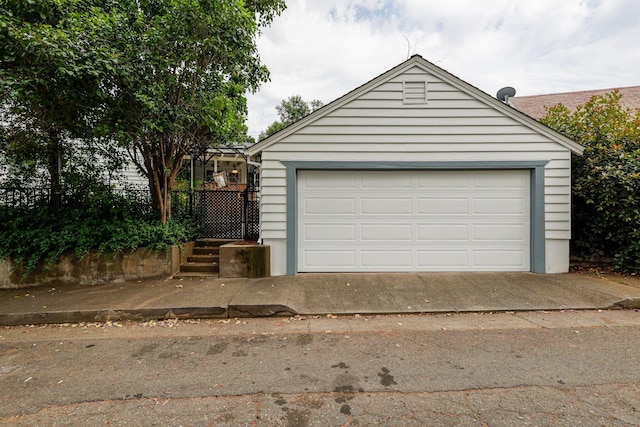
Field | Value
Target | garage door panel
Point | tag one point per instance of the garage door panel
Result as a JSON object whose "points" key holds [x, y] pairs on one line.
{"points": [[385, 206], [500, 232], [443, 206], [320, 180], [503, 259], [331, 259], [383, 259], [386, 232], [443, 259], [443, 232], [496, 181], [445, 180], [398, 181], [329, 232], [499, 206], [443, 221], [329, 206]]}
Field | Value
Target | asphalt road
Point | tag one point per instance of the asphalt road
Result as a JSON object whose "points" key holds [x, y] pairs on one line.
{"points": [[509, 369]]}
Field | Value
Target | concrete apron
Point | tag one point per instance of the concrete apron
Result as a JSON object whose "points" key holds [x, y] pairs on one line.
{"points": [[314, 294], [387, 293]]}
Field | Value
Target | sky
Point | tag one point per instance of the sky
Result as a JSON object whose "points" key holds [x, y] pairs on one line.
{"points": [[322, 49]]}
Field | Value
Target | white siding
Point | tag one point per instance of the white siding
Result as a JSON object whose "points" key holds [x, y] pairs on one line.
{"points": [[132, 177], [273, 213], [378, 126]]}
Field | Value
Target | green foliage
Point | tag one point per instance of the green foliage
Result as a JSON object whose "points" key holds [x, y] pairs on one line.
{"points": [[290, 110], [274, 127], [55, 64], [158, 76], [203, 57], [101, 221], [54, 59], [606, 179]]}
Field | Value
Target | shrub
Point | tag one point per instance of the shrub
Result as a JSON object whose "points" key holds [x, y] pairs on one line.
{"points": [[108, 223], [606, 179]]}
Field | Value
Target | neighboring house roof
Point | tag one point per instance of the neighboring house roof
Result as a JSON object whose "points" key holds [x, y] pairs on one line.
{"points": [[417, 60], [536, 106], [229, 149]]}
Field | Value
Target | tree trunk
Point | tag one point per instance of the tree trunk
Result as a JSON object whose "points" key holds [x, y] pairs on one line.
{"points": [[55, 170], [158, 200], [160, 185], [161, 170]]}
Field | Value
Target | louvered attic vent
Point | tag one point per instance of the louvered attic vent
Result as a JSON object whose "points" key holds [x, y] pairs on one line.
{"points": [[414, 92]]}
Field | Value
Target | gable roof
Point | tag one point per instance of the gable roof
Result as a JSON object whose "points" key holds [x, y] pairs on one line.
{"points": [[535, 106], [417, 60]]}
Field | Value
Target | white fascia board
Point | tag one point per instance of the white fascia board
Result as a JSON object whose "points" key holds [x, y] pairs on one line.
{"points": [[502, 107]]}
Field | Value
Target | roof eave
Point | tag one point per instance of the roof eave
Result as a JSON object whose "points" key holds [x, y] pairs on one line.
{"points": [[506, 109], [441, 73], [332, 106]]}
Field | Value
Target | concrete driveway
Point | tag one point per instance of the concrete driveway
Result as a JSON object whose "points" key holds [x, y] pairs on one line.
{"points": [[317, 294]]}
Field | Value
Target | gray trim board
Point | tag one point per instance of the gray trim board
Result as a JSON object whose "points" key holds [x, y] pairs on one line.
{"points": [[292, 219], [538, 247], [538, 250]]}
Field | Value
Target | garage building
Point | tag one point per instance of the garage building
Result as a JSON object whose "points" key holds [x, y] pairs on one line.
{"points": [[416, 170]]}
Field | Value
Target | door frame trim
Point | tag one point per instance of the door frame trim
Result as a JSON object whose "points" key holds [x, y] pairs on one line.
{"points": [[536, 168]]}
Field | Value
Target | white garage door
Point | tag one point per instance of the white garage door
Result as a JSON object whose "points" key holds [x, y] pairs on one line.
{"points": [[459, 220]]}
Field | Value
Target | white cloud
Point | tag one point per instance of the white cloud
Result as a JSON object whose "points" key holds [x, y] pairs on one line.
{"points": [[324, 49]]}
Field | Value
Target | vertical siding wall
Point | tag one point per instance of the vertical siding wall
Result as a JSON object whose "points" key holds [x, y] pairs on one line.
{"points": [[379, 126]]}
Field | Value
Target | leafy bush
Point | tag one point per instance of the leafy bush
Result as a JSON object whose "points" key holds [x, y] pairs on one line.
{"points": [[606, 179], [101, 221]]}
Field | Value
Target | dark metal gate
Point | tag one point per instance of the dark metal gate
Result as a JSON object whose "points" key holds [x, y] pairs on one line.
{"points": [[221, 214]]}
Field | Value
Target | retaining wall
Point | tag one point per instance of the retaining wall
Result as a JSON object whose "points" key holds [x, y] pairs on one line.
{"points": [[95, 268]]}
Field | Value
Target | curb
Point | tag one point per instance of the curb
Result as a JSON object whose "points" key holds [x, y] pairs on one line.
{"points": [[231, 311], [267, 310], [79, 316], [627, 304]]}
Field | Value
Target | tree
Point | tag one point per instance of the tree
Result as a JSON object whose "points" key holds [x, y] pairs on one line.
{"points": [[189, 65], [161, 77], [606, 179], [290, 110], [52, 77]]}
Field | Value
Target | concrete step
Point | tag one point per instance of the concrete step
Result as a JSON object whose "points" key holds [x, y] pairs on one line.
{"points": [[199, 267], [193, 275], [209, 246], [206, 258], [213, 242], [206, 250]]}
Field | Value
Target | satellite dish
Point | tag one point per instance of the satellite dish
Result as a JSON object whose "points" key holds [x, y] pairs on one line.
{"points": [[505, 93]]}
